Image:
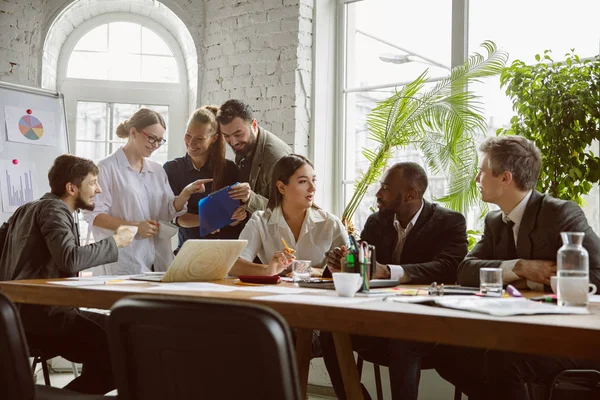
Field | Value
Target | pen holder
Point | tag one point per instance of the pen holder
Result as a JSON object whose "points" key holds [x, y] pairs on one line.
{"points": [[365, 273]]}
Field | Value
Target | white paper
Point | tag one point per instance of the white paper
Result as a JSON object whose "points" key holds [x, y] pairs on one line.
{"points": [[278, 289], [317, 300], [507, 306], [90, 281], [76, 283], [193, 287], [37, 128], [594, 299], [102, 278], [18, 185]]}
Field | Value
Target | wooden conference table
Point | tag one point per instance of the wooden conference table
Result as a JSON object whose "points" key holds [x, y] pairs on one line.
{"points": [[557, 335]]}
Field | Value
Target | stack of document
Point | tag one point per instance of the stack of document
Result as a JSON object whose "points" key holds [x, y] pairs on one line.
{"points": [[499, 307]]}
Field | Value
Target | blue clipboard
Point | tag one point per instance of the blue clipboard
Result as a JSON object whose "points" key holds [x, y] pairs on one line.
{"points": [[215, 210]]}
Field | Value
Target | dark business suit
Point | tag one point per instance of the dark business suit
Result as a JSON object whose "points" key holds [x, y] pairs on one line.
{"points": [[538, 239], [433, 248], [431, 252]]}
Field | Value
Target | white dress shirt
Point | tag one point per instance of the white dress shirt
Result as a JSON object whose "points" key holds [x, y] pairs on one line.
{"points": [[396, 271], [320, 233], [508, 276], [134, 196]]}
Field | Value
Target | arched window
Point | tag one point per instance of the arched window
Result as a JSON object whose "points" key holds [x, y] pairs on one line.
{"points": [[103, 54], [108, 68], [111, 65]]}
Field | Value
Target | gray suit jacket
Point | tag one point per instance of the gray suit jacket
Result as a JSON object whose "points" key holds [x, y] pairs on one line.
{"points": [[538, 239], [269, 149], [40, 241]]}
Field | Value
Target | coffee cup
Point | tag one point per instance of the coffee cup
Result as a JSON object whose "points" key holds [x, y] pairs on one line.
{"points": [[553, 281], [347, 283], [133, 229], [166, 230]]}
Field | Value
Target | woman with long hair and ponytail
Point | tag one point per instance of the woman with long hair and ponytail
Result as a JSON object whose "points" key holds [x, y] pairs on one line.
{"points": [[135, 191], [205, 159]]}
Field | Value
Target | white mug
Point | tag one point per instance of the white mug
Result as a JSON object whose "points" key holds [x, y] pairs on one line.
{"points": [[572, 290], [166, 230], [347, 283], [132, 228], [553, 280]]}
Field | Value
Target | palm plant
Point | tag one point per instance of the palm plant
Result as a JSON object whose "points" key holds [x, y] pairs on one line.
{"points": [[442, 122]]}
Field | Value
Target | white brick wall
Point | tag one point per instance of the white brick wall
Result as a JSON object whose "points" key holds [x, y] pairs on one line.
{"points": [[257, 50]]}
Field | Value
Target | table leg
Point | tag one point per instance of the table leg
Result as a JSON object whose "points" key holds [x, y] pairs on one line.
{"points": [[345, 355], [303, 353]]}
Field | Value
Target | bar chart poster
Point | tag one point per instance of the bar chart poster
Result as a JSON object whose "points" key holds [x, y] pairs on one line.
{"points": [[17, 184]]}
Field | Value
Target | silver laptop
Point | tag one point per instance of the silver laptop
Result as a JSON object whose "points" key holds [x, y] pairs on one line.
{"points": [[199, 260]]}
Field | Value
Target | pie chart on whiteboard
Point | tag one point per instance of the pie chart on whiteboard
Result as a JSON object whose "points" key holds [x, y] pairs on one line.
{"points": [[31, 127]]}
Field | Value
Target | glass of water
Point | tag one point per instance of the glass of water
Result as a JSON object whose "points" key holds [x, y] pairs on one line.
{"points": [[490, 281], [301, 270]]}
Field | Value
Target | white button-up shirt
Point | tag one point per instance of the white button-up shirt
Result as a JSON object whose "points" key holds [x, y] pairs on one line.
{"points": [[320, 233], [134, 196]]}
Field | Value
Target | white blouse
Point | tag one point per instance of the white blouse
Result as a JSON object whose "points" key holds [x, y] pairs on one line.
{"points": [[320, 232], [134, 196]]}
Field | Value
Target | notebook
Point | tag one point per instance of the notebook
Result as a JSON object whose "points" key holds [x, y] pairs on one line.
{"points": [[200, 260], [215, 211]]}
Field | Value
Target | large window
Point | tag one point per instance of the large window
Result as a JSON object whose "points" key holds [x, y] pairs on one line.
{"points": [[97, 124], [107, 70], [387, 43], [123, 51], [384, 52]]}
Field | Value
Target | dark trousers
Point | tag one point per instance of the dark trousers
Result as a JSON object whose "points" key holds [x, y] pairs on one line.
{"points": [[86, 342], [405, 360], [509, 373]]}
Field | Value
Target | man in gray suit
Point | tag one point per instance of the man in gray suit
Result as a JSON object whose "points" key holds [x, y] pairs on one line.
{"points": [[522, 238], [41, 241], [256, 153]]}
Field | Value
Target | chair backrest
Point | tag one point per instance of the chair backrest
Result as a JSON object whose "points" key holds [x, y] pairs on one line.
{"points": [[16, 379], [200, 349], [576, 384]]}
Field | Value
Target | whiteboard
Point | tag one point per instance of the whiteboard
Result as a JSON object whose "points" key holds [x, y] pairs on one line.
{"points": [[33, 132]]}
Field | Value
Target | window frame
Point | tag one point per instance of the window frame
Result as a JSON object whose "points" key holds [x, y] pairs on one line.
{"points": [[173, 95], [459, 53]]}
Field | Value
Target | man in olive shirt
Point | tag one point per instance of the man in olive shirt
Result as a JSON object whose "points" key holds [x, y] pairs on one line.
{"points": [[41, 241], [256, 153]]}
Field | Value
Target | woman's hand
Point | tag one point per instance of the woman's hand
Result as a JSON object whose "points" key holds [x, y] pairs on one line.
{"points": [[147, 229], [195, 187], [333, 258], [280, 261], [239, 215]]}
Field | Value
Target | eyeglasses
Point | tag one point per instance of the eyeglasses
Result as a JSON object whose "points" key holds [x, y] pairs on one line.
{"points": [[154, 140]]}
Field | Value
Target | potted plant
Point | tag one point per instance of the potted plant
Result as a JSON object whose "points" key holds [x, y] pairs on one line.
{"points": [[442, 122], [558, 108]]}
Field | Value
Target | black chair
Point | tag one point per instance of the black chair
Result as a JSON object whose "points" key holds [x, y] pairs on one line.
{"points": [[40, 357], [16, 382], [200, 349], [570, 384]]}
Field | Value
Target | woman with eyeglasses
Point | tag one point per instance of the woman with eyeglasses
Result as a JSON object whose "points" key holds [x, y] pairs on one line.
{"points": [[136, 192], [205, 158]]}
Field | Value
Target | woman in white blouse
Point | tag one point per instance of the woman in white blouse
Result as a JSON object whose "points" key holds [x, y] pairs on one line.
{"points": [[291, 215], [136, 191]]}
